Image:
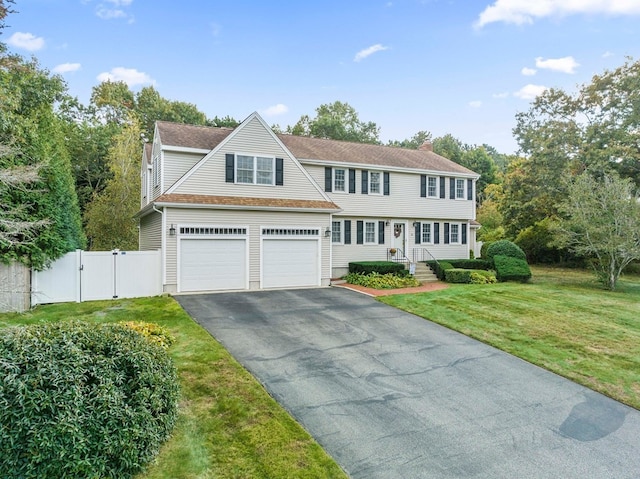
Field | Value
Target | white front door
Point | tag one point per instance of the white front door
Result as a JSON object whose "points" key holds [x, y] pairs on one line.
{"points": [[400, 236]]}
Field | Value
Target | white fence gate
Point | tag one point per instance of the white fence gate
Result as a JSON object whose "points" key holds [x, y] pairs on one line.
{"points": [[92, 275]]}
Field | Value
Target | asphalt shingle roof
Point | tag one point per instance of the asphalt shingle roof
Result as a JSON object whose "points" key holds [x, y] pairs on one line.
{"points": [[320, 149]]}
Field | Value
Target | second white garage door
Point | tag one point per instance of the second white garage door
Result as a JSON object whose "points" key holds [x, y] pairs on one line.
{"points": [[213, 264], [290, 263]]}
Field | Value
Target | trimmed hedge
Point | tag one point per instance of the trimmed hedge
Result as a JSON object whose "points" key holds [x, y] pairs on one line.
{"points": [[380, 267], [471, 264], [511, 269], [465, 276], [505, 248], [83, 400], [382, 281]]}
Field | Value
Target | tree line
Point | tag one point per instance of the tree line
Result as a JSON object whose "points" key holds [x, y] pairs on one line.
{"points": [[69, 173]]}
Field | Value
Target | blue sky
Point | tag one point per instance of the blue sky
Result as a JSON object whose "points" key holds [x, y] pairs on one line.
{"points": [[464, 67]]}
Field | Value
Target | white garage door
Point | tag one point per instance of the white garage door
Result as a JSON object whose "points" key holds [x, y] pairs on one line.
{"points": [[290, 263], [212, 264]]}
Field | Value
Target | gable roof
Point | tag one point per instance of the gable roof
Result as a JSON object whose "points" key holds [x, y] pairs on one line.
{"points": [[317, 149]]}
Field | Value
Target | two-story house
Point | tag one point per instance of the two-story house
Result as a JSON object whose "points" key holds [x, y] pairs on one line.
{"points": [[246, 208]]}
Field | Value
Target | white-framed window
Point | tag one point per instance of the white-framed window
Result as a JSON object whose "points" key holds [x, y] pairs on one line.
{"points": [[459, 189], [156, 170], [370, 232], [339, 180], [427, 233], [336, 231], [432, 186], [375, 182], [255, 170], [454, 233]]}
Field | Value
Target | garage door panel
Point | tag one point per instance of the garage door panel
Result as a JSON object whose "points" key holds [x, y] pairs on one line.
{"points": [[212, 264], [290, 263]]}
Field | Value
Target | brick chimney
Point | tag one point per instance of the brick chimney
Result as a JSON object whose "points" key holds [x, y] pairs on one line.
{"points": [[426, 146]]}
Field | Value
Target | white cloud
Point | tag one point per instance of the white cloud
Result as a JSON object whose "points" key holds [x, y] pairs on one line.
{"points": [[528, 72], [503, 94], [362, 54], [530, 91], [130, 76], [475, 104], [564, 64], [526, 11], [66, 68], [607, 54], [26, 41], [275, 110], [113, 9]]}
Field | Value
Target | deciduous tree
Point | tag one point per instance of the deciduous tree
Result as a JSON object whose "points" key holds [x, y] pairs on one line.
{"points": [[602, 223]]}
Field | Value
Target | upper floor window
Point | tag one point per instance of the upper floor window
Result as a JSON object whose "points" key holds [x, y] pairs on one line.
{"points": [[156, 170], [336, 231], [375, 182], [432, 186], [459, 188], [339, 180], [258, 170]]}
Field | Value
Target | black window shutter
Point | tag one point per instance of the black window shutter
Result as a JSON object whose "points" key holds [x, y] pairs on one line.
{"points": [[423, 186], [279, 171], [327, 178], [452, 188], [464, 233], [436, 233], [418, 232], [469, 190], [380, 232], [446, 233], [352, 181], [386, 182], [365, 183], [360, 232], [442, 180], [230, 167], [347, 231]]}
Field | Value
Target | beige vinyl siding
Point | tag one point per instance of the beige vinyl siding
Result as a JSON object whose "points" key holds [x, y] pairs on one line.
{"points": [[176, 164], [404, 199], [343, 254], [150, 232], [251, 139], [253, 220]]}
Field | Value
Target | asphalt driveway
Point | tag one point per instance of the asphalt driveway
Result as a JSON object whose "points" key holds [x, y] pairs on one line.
{"points": [[390, 395]]}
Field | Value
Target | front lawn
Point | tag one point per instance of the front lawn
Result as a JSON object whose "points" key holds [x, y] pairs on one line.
{"points": [[228, 426], [562, 320]]}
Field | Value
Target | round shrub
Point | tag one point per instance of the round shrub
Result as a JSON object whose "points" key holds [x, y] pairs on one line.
{"points": [[505, 248], [82, 400]]}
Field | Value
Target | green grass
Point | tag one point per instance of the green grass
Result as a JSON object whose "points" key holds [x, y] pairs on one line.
{"points": [[562, 320], [228, 426]]}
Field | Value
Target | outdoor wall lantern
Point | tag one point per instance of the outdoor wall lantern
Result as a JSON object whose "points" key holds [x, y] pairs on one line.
{"points": [[172, 230], [388, 223], [415, 223], [327, 232]]}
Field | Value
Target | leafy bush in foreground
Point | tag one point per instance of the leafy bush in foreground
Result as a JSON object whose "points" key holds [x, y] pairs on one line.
{"points": [[82, 400], [511, 269], [381, 281], [439, 268], [483, 277]]}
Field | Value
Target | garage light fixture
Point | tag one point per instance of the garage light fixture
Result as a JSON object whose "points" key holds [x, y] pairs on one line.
{"points": [[172, 230], [327, 232]]}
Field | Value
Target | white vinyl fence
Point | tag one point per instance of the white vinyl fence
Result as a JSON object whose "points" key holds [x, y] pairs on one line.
{"points": [[92, 275]]}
